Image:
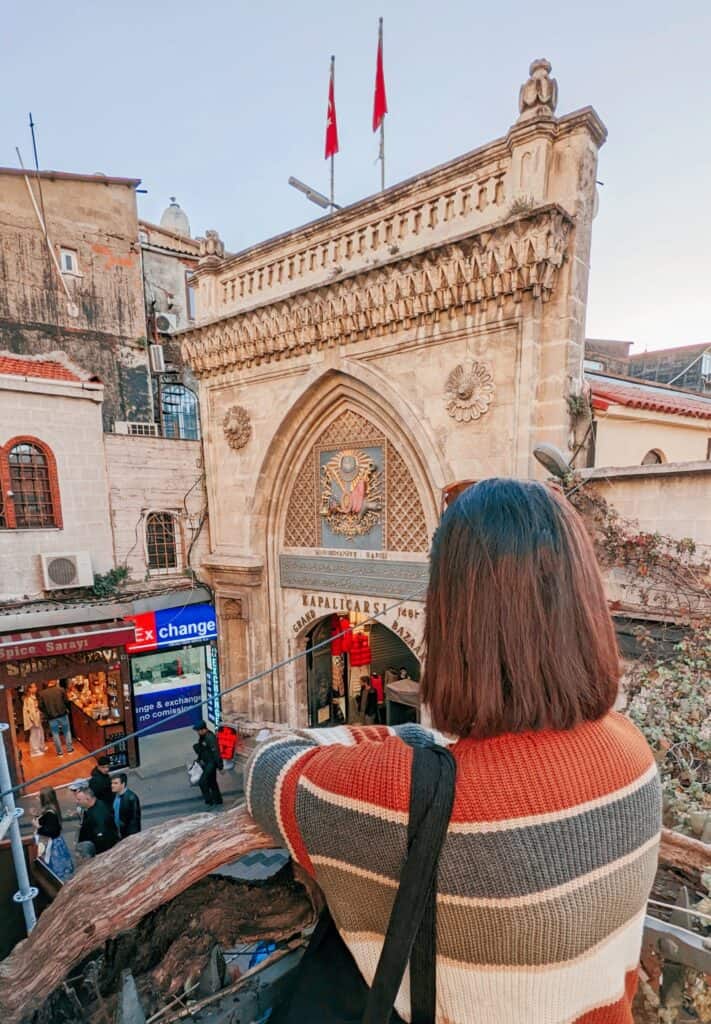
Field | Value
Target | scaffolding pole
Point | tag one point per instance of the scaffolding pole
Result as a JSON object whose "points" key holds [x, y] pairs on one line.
{"points": [[26, 893]]}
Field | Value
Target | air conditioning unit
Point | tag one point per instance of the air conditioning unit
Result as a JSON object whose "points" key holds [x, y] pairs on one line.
{"points": [[136, 429], [62, 572], [166, 323], [157, 358]]}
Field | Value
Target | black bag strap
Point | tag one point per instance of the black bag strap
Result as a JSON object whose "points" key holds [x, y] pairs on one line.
{"points": [[411, 933]]}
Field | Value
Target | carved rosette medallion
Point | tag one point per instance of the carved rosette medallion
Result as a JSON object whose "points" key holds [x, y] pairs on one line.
{"points": [[351, 493], [469, 391], [237, 427]]}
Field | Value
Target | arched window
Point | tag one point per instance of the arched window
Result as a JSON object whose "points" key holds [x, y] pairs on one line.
{"points": [[31, 487], [161, 541], [653, 458], [179, 407]]}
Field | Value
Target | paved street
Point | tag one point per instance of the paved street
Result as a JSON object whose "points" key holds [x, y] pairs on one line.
{"points": [[163, 795]]}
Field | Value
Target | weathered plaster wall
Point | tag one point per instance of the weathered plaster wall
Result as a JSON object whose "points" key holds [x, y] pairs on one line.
{"points": [[67, 418], [98, 221], [625, 435], [153, 474], [674, 500]]}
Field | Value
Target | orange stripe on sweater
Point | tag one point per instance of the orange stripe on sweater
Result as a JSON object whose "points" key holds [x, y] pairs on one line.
{"points": [[517, 775], [287, 808], [616, 1013], [377, 773]]}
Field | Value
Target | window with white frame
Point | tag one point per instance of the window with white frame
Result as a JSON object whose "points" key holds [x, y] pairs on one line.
{"points": [[68, 261]]}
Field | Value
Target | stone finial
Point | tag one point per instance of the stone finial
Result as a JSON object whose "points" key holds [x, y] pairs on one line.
{"points": [[211, 246], [538, 96]]}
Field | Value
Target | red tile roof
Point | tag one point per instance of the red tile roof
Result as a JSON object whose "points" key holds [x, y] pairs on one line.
{"points": [[608, 391], [47, 368]]}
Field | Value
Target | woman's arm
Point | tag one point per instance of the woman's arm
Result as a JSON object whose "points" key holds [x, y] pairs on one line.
{"points": [[369, 764]]}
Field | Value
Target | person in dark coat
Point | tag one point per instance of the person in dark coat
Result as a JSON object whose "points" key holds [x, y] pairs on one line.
{"points": [[100, 782], [208, 757], [97, 824], [126, 807], [367, 701]]}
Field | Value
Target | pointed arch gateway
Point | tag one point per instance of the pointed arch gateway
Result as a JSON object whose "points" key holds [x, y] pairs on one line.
{"points": [[397, 520], [343, 413]]}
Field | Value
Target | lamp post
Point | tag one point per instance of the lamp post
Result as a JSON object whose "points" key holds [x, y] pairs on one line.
{"points": [[316, 197], [553, 460]]}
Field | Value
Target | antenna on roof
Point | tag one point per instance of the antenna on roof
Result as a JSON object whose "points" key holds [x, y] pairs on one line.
{"points": [[72, 308]]}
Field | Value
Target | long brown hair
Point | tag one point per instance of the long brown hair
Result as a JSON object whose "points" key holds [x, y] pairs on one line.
{"points": [[49, 802], [517, 629]]}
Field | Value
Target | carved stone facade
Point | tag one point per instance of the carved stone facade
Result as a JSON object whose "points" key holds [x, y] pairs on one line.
{"points": [[431, 334], [403, 517], [518, 258]]}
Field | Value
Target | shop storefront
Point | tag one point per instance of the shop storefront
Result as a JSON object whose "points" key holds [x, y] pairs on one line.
{"points": [[348, 645], [174, 680], [89, 663]]}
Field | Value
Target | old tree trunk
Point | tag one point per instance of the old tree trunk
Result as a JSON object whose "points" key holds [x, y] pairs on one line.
{"points": [[113, 893], [119, 888]]}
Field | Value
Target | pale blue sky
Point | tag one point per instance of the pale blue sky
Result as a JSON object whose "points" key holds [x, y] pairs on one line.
{"points": [[218, 103]]}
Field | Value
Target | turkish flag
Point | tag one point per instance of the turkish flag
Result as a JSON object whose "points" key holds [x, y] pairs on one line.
{"points": [[331, 125], [380, 103]]}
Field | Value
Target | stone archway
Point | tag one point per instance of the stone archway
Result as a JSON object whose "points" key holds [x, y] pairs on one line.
{"points": [[326, 680]]}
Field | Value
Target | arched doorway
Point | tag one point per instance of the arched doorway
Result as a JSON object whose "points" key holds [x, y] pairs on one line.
{"points": [[341, 649]]}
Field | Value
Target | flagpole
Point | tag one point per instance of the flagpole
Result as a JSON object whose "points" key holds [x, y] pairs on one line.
{"points": [[333, 174], [378, 84], [382, 155]]}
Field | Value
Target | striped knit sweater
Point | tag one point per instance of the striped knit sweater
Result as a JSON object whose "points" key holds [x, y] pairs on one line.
{"points": [[543, 878]]}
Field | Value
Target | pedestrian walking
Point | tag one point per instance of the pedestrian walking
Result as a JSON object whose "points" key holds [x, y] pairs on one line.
{"points": [[54, 705], [100, 781], [553, 798], [52, 846], [97, 832], [126, 807], [367, 701], [32, 721], [208, 757]]}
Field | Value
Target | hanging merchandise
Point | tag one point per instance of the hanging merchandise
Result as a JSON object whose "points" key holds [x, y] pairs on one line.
{"points": [[360, 650], [341, 644]]}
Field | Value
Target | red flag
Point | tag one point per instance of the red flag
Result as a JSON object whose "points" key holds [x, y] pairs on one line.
{"points": [[331, 126], [380, 103]]}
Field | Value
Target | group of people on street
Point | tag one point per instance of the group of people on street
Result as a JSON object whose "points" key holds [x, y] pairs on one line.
{"points": [[52, 702], [109, 812]]}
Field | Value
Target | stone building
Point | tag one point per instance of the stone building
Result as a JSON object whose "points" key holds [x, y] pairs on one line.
{"points": [[637, 423], [77, 287], [688, 366], [353, 368], [84, 285]]}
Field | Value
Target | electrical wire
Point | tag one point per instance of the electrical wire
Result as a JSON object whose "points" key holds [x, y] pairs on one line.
{"points": [[413, 596]]}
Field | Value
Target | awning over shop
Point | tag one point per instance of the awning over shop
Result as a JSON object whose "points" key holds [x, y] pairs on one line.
{"points": [[65, 640]]}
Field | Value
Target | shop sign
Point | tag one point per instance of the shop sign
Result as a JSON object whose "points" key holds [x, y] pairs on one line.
{"points": [[157, 706], [404, 619], [212, 686], [173, 627], [66, 664]]}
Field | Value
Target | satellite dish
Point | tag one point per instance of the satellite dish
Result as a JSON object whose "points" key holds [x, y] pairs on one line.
{"points": [[73, 310]]}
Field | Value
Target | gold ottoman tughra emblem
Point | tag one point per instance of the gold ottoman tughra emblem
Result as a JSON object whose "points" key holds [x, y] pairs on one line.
{"points": [[351, 493]]}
